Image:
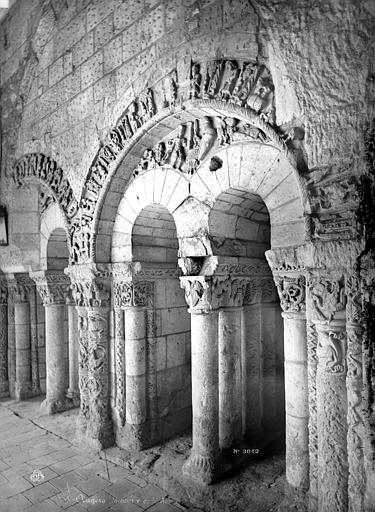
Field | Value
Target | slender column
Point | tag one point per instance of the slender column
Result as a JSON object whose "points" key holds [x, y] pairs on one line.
{"points": [[4, 383], [327, 311], [268, 351], [21, 290], [202, 464], [11, 338], [90, 289], [291, 289], [53, 288], [354, 382], [230, 384], [312, 361], [119, 340], [73, 390], [34, 343], [252, 374]]}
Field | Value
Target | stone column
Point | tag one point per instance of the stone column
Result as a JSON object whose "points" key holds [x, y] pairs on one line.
{"points": [[53, 288], [34, 343], [11, 337], [230, 382], [136, 298], [291, 289], [119, 340], [20, 292], [327, 303], [4, 382], [73, 390], [312, 362], [354, 383], [91, 292], [202, 464]]}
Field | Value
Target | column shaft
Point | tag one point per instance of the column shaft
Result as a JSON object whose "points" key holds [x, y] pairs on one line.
{"points": [[331, 419], [11, 348], [4, 383], [119, 342], [34, 343], [135, 369], [296, 400], [201, 464], [252, 377], [55, 360], [73, 391], [23, 350], [230, 384]]}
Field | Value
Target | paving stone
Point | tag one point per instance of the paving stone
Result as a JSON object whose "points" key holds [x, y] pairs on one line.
{"points": [[122, 489], [163, 507], [99, 502], [147, 496], [68, 497], [92, 485], [14, 504], [41, 492], [66, 465], [44, 506], [64, 453], [44, 474], [66, 480], [90, 470], [126, 507]]}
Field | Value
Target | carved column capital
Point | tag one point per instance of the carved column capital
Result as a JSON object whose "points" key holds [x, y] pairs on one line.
{"points": [[19, 288], [53, 287], [90, 284], [292, 292], [133, 293], [326, 297]]}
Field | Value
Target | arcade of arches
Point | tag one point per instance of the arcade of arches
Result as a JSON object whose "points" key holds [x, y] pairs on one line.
{"points": [[189, 231]]}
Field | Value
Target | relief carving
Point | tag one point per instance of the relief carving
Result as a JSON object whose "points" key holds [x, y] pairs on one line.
{"points": [[137, 294], [291, 292], [327, 297], [331, 351]]}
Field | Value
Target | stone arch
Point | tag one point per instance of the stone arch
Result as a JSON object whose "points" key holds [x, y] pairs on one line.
{"points": [[150, 116], [40, 168], [248, 166], [52, 223]]}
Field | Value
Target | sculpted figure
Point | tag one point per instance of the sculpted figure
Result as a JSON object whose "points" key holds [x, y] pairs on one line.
{"points": [[230, 73], [196, 80]]}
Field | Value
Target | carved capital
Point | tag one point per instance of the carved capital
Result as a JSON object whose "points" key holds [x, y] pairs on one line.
{"points": [[53, 287], [331, 349], [292, 293], [327, 297], [129, 293], [90, 285], [19, 288]]}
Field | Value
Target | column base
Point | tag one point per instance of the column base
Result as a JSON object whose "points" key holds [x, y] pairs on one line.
{"points": [[94, 438], [53, 405], [22, 390], [205, 469], [74, 396], [135, 437]]}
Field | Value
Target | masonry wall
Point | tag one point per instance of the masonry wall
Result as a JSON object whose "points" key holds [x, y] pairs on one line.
{"points": [[68, 69]]}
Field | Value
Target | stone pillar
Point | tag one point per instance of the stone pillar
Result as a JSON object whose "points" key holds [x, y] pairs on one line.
{"points": [[312, 362], [252, 373], [291, 289], [354, 383], [202, 464], [230, 383], [4, 382], [35, 382], [20, 293], [135, 398], [73, 390], [91, 292], [53, 288], [327, 303]]}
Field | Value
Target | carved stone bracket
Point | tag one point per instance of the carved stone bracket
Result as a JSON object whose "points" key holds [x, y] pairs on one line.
{"points": [[19, 288], [90, 285], [53, 287]]}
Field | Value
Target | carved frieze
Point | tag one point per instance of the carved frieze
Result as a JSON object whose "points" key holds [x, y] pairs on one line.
{"points": [[291, 291], [354, 300], [41, 167], [327, 297], [335, 226], [53, 288], [138, 293]]}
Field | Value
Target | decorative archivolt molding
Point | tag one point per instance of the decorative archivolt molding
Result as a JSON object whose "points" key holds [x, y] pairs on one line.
{"points": [[45, 169]]}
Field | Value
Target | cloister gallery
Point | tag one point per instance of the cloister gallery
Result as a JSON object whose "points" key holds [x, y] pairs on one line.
{"points": [[188, 229]]}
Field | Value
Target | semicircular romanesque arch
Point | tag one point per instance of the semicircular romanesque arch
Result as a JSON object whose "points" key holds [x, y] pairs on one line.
{"points": [[214, 105]]}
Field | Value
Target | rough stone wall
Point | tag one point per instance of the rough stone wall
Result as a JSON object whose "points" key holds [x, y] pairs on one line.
{"points": [[68, 68]]}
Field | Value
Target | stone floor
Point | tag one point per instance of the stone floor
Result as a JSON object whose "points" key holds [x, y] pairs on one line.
{"points": [[42, 470]]}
